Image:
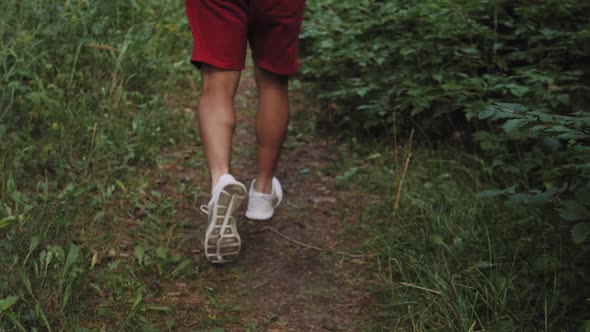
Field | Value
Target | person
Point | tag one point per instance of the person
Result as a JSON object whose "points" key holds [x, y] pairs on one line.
{"points": [[221, 30]]}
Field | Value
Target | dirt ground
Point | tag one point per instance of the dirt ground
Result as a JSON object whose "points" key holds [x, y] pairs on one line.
{"points": [[296, 272]]}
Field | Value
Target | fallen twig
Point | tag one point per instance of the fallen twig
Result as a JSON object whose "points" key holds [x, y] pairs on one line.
{"points": [[262, 284], [103, 47], [305, 245], [421, 288], [309, 246]]}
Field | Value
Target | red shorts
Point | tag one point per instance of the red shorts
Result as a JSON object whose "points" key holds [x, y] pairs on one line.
{"points": [[222, 28]]}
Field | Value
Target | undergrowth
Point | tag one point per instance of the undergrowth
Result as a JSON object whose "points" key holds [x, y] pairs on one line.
{"points": [[450, 259], [505, 83], [88, 233], [83, 119]]}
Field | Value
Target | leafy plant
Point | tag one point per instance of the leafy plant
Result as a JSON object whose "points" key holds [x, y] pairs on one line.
{"points": [[400, 64], [556, 161], [383, 68]]}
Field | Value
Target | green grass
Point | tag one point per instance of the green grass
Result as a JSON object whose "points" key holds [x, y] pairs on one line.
{"points": [[90, 236], [450, 260], [84, 116]]}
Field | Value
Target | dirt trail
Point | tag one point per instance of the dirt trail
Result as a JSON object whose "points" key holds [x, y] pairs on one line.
{"points": [[278, 284]]}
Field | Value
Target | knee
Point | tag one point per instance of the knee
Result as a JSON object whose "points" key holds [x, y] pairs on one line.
{"points": [[218, 84], [266, 81], [215, 98]]}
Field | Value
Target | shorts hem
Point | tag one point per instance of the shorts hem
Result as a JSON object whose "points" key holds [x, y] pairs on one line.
{"points": [[197, 62], [275, 69]]}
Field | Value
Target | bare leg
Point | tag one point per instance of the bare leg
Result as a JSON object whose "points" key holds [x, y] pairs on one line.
{"points": [[217, 117], [272, 119]]}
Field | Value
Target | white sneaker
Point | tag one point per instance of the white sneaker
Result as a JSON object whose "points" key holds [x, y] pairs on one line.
{"points": [[262, 206], [222, 241]]}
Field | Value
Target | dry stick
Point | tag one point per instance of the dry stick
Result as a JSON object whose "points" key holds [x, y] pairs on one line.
{"points": [[395, 138], [93, 135], [103, 47], [261, 284], [309, 246], [421, 288], [305, 245], [404, 173]]}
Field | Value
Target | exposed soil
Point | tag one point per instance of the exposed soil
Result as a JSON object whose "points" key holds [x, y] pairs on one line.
{"points": [[296, 272]]}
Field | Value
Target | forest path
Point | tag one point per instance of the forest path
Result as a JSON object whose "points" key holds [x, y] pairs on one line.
{"points": [[295, 272]]}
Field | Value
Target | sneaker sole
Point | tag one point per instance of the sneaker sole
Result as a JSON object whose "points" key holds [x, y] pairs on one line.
{"points": [[265, 215], [222, 241]]}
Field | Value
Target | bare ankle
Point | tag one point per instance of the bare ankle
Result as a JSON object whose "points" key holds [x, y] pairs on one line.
{"points": [[215, 175], [263, 185]]}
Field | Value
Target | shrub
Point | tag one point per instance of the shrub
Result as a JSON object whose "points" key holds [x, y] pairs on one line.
{"points": [[460, 71], [427, 64]]}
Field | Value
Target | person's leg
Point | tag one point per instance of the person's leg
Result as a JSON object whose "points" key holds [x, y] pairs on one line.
{"points": [[273, 34], [272, 119], [217, 117], [219, 30]]}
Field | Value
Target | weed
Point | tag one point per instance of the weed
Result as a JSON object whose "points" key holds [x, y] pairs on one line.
{"points": [[451, 260], [83, 119]]}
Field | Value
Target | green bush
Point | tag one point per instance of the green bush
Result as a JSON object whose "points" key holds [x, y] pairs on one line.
{"points": [[428, 64], [459, 72], [555, 163]]}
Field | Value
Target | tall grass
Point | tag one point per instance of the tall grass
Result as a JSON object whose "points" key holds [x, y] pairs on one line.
{"points": [[450, 260], [82, 111]]}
